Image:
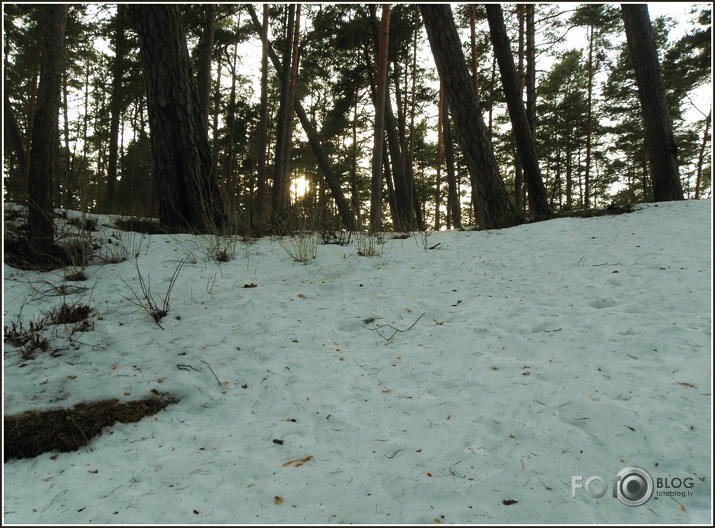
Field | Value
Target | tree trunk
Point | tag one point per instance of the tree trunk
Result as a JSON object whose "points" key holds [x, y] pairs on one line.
{"points": [[403, 208], [280, 208], [189, 195], [204, 56], [658, 126], [531, 68], [473, 59], [518, 172], [380, 95], [437, 196], [589, 121], [495, 209], [44, 131], [454, 205], [517, 112], [12, 131], [292, 86], [701, 155], [260, 206], [117, 103], [346, 215]]}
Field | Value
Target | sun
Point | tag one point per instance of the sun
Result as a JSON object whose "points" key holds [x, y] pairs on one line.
{"points": [[300, 186]]}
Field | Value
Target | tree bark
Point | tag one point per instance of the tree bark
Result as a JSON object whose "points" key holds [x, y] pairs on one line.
{"points": [[205, 54], [662, 148], [12, 130], [44, 131], [346, 215], [380, 95], [454, 205], [517, 112], [279, 206], [189, 194], [260, 206], [494, 208], [701, 155], [117, 103]]}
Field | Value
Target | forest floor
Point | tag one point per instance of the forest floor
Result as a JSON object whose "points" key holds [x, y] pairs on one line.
{"points": [[469, 383]]}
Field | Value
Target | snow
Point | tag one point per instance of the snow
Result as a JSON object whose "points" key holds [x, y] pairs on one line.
{"points": [[572, 347]]}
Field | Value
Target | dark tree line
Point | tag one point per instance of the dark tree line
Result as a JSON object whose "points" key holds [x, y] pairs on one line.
{"points": [[214, 155]]}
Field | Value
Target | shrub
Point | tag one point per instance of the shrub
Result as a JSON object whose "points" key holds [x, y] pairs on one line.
{"points": [[301, 247]]}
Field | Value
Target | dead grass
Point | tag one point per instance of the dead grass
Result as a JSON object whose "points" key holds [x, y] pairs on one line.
{"points": [[32, 433]]}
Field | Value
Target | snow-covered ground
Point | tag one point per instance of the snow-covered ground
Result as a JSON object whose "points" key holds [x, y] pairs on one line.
{"points": [[524, 357]]}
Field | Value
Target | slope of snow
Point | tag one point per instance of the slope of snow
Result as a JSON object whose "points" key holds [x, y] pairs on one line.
{"points": [[418, 386]]}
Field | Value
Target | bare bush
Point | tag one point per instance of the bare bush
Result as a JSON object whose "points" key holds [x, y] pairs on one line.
{"points": [[369, 245], [301, 247], [147, 301]]}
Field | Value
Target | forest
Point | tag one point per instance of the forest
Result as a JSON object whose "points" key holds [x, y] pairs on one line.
{"points": [[262, 118], [357, 263]]}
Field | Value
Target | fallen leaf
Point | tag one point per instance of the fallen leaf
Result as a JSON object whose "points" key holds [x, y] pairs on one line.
{"points": [[54, 457], [437, 521], [429, 474], [438, 323], [302, 296], [72, 377], [127, 394], [252, 285], [196, 512], [508, 502], [298, 461], [511, 436], [277, 500], [682, 507], [684, 384], [526, 374], [160, 380]]}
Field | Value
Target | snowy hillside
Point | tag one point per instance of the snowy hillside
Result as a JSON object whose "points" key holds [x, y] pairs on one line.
{"points": [[462, 384]]}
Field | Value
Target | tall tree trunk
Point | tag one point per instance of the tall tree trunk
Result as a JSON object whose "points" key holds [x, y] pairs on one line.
{"points": [[68, 201], [662, 147], [346, 215], [260, 206], [473, 47], [44, 131], [410, 172], [517, 112], [495, 209], [231, 124], [531, 68], [454, 205], [380, 95], [292, 86], [354, 193], [701, 155], [204, 56], [404, 216], [12, 130], [518, 172], [189, 194], [437, 196], [589, 121], [117, 103], [280, 208]]}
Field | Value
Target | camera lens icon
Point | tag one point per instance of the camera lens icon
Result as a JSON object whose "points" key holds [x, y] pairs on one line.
{"points": [[635, 486]]}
